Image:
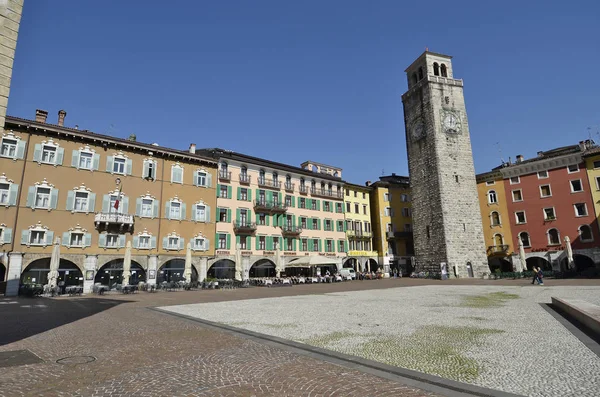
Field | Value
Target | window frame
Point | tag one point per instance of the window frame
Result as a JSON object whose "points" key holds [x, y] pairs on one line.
{"points": [[550, 243], [580, 186], [82, 241], [546, 216], [108, 238], [43, 239], [492, 219], [528, 239], [581, 234], [173, 238], [9, 145], [144, 236], [517, 217], [515, 183], [492, 193], [119, 160], [201, 174], [177, 167], [513, 195], [490, 183], [596, 164], [53, 151], [573, 172], [584, 206], [88, 154], [143, 205], [36, 197], [541, 173], [8, 185], [549, 188], [87, 201]]}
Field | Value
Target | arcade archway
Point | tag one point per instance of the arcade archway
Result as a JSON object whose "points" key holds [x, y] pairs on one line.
{"points": [[499, 263], [37, 273], [352, 263], [263, 268], [111, 273], [173, 270], [583, 262], [222, 269], [371, 265], [538, 262]]}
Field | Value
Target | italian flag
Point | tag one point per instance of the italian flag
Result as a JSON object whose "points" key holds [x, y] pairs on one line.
{"points": [[118, 197]]}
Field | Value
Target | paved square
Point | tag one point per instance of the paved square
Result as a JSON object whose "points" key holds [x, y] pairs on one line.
{"points": [[493, 336]]}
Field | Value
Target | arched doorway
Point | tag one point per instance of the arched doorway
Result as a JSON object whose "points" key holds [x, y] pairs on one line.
{"points": [[583, 262], [37, 273], [538, 262], [499, 263], [173, 270], [352, 263], [372, 265], [263, 268], [111, 273], [222, 269]]}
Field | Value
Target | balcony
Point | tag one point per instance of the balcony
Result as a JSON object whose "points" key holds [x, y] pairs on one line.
{"points": [[269, 206], [108, 220], [243, 226], [270, 183], [303, 189], [290, 230], [359, 234], [391, 235], [289, 187], [245, 179], [224, 175], [497, 249], [326, 193]]}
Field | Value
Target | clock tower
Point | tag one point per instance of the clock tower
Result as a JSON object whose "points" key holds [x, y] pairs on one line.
{"points": [[447, 225]]}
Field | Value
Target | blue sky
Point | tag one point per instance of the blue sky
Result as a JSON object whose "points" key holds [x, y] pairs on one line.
{"points": [[319, 80]]}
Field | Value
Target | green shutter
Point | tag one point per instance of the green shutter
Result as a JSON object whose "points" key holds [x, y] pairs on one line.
{"points": [[237, 216], [228, 241], [267, 219], [293, 201], [310, 245], [309, 203], [239, 193], [318, 205], [319, 224], [257, 240], [269, 196], [269, 243], [218, 190], [257, 218], [320, 246], [228, 214], [249, 194], [279, 197], [294, 243], [237, 241], [229, 194]]}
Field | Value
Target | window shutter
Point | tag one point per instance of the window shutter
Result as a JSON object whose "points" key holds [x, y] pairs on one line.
{"points": [[60, 155], [269, 243], [249, 194], [206, 243], [102, 240], [207, 214], [136, 242], [37, 152], [318, 224], [279, 198], [91, 202], [20, 149], [31, 197], [96, 162], [121, 240], [310, 246], [208, 179], [228, 215], [269, 196], [25, 237], [293, 201], [267, 219], [228, 241], [53, 198], [294, 240], [168, 210], [193, 214], [66, 239], [138, 206], [229, 194], [75, 159], [237, 216], [165, 243], [7, 235], [153, 242], [128, 166], [70, 200], [239, 193], [237, 241], [13, 192], [257, 242], [126, 205], [145, 169], [109, 164], [320, 245], [87, 239], [49, 238], [181, 243], [183, 207], [155, 208], [318, 205], [105, 203]]}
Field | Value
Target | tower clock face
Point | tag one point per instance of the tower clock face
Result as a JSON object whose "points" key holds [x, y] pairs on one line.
{"points": [[418, 131], [451, 123]]}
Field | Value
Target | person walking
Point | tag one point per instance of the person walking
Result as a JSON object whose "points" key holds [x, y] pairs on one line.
{"points": [[535, 275], [540, 276]]}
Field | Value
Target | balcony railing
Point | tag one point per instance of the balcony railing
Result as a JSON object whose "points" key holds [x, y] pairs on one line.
{"points": [[290, 230], [107, 220], [269, 183], [303, 189], [326, 193], [359, 234], [224, 175], [243, 226], [245, 178], [497, 249], [289, 187], [269, 206]]}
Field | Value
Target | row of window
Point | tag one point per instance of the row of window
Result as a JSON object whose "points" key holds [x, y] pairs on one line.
{"points": [[405, 198], [87, 159], [359, 245], [272, 243], [549, 214], [274, 181], [571, 169], [545, 191], [553, 236], [389, 211], [244, 217], [392, 228], [358, 226], [356, 208]]}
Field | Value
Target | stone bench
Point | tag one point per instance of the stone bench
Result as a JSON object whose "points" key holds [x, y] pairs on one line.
{"points": [[586, 313]]}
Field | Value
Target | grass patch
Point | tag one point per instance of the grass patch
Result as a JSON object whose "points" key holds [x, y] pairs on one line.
{"points": [[495, 299]]}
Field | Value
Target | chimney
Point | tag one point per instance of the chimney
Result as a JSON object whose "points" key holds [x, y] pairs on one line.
{"points": [[41, 115], [393, 174], [193, 148], [519, 158], [368, 183], [61, 117]]}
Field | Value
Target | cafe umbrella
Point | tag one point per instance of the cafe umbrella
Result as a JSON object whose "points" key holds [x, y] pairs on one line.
{"points": [[54, 264], [569, 252], [187, 271], [127, 264]]}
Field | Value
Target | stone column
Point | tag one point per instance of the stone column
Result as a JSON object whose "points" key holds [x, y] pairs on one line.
{"points": [[245, 268], [203, 269], [89, 264], [152, 265], [13, 277]]}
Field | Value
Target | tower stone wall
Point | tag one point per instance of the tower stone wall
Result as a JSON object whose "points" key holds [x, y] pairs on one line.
{"points": [[447, 219], [10, 18]]}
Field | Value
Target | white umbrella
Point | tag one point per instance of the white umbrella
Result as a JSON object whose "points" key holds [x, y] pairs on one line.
{"points": [[569, 252], [522, 255], [54, 264], [238, 263], [311, 261], [127, 264], [279, 264], [187, 271]]}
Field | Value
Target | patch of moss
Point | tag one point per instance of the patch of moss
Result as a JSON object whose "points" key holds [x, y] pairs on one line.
{"points": [[494, 299], [326, 340]]}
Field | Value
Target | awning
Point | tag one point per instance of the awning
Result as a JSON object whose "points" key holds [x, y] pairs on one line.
{"points": [[312, 261]]}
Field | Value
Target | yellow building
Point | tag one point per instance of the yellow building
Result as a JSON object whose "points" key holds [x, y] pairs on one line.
{"points": [[358, 226], [391, 215], [496, 220], [95, 194], [592, 165]]}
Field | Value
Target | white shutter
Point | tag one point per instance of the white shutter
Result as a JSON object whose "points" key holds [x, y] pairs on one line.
{"points": [[75, 159]]}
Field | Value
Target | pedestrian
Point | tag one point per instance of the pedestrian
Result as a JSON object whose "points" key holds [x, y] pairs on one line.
{"points": [[535, 275], [540, 276]]}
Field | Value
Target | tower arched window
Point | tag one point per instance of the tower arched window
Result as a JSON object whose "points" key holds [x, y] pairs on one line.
{"points": [[553, 237], [414, 78], [436, 69], [524, 236], [420, 73], [444, 70], [313, 183], [585, 233], [492, 197], [495, 218]]}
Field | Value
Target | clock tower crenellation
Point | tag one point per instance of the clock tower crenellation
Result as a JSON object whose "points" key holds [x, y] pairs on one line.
{"points": [[446, 216]]}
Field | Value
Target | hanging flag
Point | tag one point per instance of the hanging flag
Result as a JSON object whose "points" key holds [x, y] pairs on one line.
{"points": [[118, 197]]}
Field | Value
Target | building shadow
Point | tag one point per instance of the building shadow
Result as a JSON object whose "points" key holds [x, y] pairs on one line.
{"points": [[21, 318]]}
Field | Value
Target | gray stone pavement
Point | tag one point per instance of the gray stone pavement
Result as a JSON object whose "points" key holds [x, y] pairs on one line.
{"points": [[140, 352]]}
